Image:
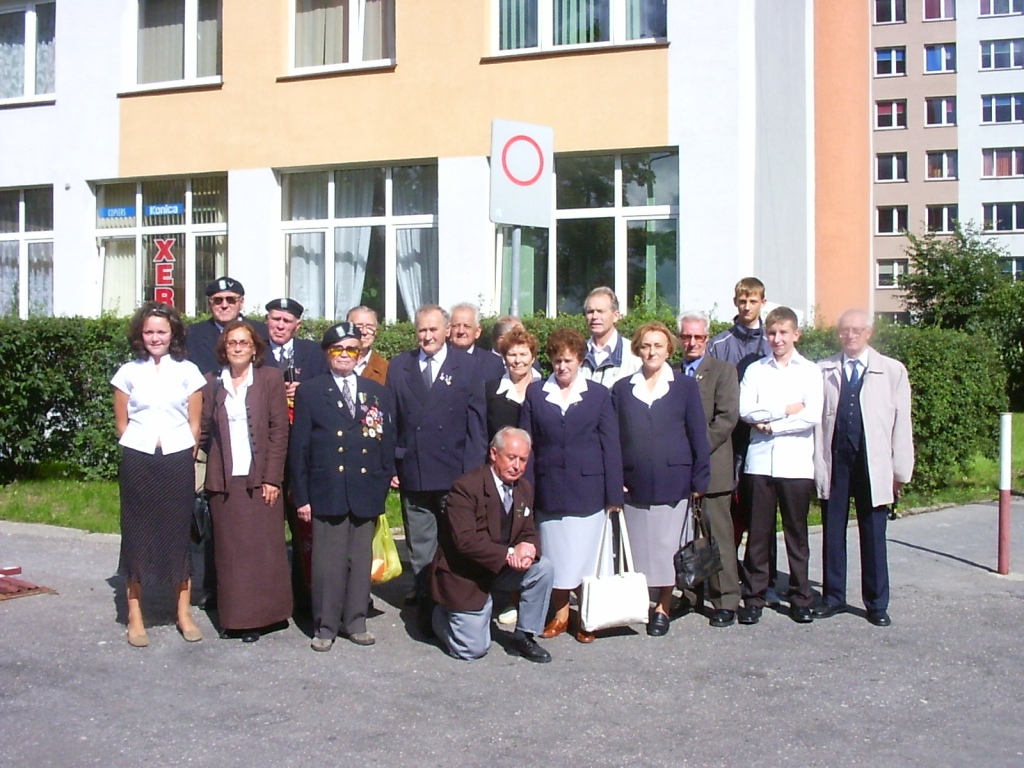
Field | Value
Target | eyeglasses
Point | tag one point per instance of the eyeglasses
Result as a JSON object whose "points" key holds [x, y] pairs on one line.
{"points": [[851, 331], [687, 337], [237, 343], [347, 351], [229, 300], [366, 328]]}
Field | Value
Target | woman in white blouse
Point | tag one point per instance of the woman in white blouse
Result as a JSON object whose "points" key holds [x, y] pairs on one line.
{"points": [[157, 406], [518, 348], [245, 433]]}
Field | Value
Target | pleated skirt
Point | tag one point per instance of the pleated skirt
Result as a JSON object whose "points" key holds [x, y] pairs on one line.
{"points": [[655, 532], [157, 492], [253, 577]]}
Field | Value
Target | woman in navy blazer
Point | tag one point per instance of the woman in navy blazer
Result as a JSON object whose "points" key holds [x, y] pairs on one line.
{"points": [[666, 460], [576, 469]]}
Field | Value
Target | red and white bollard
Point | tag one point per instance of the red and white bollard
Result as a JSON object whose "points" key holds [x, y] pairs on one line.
{"points": [[1005, 486]]}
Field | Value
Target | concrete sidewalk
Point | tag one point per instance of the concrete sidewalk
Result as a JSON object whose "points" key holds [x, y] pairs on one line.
{"points": [[943, 686]]}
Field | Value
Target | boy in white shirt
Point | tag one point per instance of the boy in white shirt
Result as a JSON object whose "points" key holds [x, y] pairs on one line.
{"points": [[781, 397]]}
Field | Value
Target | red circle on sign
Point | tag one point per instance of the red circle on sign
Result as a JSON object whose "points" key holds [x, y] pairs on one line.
{"points": [[540, 160]]}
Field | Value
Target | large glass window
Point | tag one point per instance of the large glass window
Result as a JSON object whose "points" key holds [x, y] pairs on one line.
{"points": [[27, 50], [890, 61], [546, 24], [940, 58], [890, 271], [940, 110], [1002, 54], [890, 11], [333, 33], [935, 10], [381, 227], [1004, 217], [891, 220], [891, 114], [1001, 7], [891, 166], [941, 164], [1002, 108], [26, 252], [162, 240], [1001, 163], [178, 40], [941, 218]]}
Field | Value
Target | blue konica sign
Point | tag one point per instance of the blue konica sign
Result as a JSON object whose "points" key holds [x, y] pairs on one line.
{"points": [[164, 209]]}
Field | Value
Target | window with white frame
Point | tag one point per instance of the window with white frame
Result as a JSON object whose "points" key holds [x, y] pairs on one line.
{"points": [[940, 58], [941, 218], [162, 240], [1002, 163], [940, 110], [891, 166], [1001, 7], [337, 34], [1013, 267], [941, 164], [541, 25], [1004, 217], [616, 224], [178, 41], [27, 50], [890, 62], [891, 114], [890, 11], [1002, 54], [890, 271], [361, 236], [1002, 108], [937, 10], [891, 220], [26, 252]]}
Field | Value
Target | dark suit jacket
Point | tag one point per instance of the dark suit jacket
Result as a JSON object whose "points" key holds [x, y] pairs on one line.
{"points": [[577, 458], [201, 338], [336, 466], [491, 366], [470, 549], [376, 368], [310, 360], [665, 453], [268, 430], [720, 395], [442, 430]]}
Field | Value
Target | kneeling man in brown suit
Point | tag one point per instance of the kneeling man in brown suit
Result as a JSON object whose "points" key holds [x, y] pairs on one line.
{"points": [[487, 542]]}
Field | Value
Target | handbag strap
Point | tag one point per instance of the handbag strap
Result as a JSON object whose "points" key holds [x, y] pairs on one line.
{"points": [[625, 551], [700, 527], [606, 530]]}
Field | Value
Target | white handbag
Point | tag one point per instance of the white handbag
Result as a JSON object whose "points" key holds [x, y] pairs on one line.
{"points": [[620, 598]]}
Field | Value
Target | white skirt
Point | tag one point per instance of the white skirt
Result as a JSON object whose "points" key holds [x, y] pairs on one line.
{"points": [[655, 534], [570, 542]]}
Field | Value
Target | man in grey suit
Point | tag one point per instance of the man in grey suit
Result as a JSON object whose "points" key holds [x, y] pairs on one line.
{"points": [[720, 396]]}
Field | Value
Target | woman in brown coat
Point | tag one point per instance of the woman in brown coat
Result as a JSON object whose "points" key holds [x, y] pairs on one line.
{"points": [[245, 433]]}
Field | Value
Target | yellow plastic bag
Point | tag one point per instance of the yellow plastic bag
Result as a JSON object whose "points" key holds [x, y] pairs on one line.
{"points": [[386, 565]]}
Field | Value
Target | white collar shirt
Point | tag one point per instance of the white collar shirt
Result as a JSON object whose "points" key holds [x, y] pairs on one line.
{"points": [[508, 389], [861, 359], [439, 357], [604, 352], [554, 392], [283, 352], [158, 403], [238, 421], [649, 396]]}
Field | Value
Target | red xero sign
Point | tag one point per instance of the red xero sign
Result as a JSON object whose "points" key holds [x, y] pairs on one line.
{"points": [[164, 268]]}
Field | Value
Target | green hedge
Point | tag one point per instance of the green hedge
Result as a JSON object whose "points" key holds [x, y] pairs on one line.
{"points": [[57, 399]]}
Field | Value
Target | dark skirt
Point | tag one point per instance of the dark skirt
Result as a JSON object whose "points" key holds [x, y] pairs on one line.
{"points": [[253, 578], [157, 493]]}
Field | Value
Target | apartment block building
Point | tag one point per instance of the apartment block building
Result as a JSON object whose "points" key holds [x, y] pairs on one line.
{"points": [[336, 151], [948, 100]]}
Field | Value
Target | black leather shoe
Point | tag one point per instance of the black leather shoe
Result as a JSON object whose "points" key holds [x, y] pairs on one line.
{"points": [[528, 648], [722, 618], [879, 618], [250, 636], [801, 614], [749, 614], [658, 625], [827, 610]]}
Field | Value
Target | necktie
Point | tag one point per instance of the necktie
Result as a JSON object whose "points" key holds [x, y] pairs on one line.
{"points": [[350, 401], [854, 372], [506, 497], [690, 371], [427, 378]]}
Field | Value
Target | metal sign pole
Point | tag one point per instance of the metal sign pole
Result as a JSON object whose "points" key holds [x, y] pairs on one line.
{"points": [[517, 241], [1005, 488]]}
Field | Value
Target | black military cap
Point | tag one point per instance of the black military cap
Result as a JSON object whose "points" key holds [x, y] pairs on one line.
{"points": [[287, 305], [222, 284], [340, 332]]}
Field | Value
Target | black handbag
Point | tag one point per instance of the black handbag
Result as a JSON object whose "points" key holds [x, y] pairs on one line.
{"points": [[200, 517], [699, 559]]}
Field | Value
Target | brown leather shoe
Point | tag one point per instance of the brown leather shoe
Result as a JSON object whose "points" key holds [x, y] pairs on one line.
{"points": [[584, 637], [555, 628]]}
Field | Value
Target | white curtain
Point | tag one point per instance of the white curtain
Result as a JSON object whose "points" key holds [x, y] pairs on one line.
{"points": [[40, 279], [321, 34], [306, 197], [351, 251], [417, 268], [208, 53], [378, 29], [12, 54], [161, 40], [306, 271], [46, 19], [118, 275], [8, 278], [517, 24]]}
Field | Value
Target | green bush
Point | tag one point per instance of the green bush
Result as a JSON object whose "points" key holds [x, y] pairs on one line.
{"points": [[57, 405]]}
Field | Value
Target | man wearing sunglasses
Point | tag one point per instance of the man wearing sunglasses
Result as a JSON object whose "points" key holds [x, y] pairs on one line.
{"points": [[226, 298]]}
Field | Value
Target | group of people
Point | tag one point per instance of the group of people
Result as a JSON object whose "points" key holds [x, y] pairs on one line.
{"points": [[505, 477]]}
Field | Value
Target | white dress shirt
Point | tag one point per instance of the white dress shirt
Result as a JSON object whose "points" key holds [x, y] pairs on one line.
{"points": [[576, 390], [508, 389], [158, 403], [238, 422], [284, 351], [766, 390], [648, 396], [438, 360]]}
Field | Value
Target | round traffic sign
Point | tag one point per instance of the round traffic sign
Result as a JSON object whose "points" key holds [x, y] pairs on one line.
{"points": [[517, 153]]}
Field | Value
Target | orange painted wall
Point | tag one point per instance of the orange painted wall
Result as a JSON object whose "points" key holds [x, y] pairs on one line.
{"points": [[437, 102], [842, 140]]}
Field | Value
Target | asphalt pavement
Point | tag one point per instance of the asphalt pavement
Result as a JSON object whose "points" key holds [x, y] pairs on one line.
{"points": [[943, 686]]}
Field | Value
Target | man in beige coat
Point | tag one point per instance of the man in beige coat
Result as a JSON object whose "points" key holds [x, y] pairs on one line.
{"points": [[865, 451]]}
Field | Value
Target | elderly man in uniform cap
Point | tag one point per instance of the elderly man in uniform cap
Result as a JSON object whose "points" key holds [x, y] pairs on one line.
{"points": [[341, 458], [226, 298]]}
